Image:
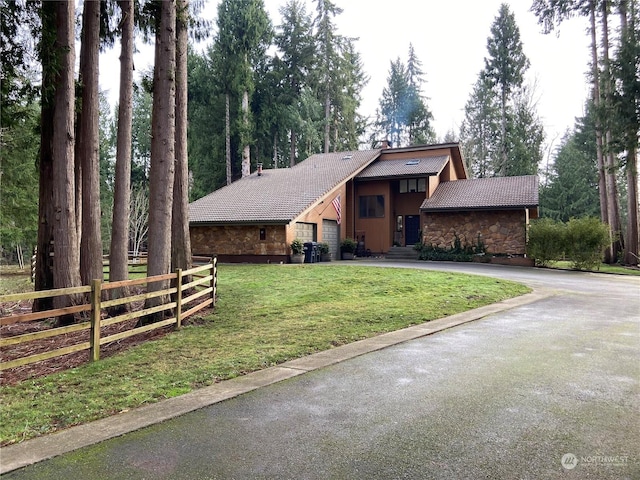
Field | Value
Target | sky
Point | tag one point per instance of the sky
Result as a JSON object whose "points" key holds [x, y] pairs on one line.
{"points": [[450, 39]]}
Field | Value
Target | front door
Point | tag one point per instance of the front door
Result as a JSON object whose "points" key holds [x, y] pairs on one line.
{"points": [[411, 229]]}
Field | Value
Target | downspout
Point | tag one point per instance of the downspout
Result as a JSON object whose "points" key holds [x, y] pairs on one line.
{"points": [[526, 230], [353, 209]]}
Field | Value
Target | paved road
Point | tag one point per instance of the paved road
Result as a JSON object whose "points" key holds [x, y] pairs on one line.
{"points": [[508, 396]]}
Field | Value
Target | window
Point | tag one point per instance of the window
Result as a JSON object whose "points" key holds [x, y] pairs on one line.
{"points": [[412, 185], [371, 206]]}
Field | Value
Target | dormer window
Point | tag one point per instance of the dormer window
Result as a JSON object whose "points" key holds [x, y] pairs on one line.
{"points": [[412, 185]]}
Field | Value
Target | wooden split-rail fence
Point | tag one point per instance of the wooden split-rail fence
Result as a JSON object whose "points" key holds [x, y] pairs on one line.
{"points": [[187, 292]]}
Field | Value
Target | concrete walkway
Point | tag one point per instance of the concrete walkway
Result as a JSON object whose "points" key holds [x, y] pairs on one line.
{"points": [[549, 375]]}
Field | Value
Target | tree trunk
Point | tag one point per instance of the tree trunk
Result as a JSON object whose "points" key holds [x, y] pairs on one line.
{"points": [[227, 136], [502, 168], [292, 154], [89, 145], [246, 151], [632, 247], [44, 272], [119, 251], [275, 150], [66, 258], [613, 208], [327, 117], [602, 186], [162, 170], [180, 240]]}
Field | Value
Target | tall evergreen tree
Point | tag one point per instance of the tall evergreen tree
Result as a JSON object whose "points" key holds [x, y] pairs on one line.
{"points": [[551, 13], [329, 46], [206, 132], [626, 104], [479, 132], [295, 43], [161, 173], [180, 239], [571, 191], [244, 32], [505, 68], [419, 115], [525, 136], [66, 259], [403, 116], [119, 251], [394, 104], [88, 146], [348, 124]]}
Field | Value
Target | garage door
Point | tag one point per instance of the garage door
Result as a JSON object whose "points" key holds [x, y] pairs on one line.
{"points": [[306, 232], [331, 235]]}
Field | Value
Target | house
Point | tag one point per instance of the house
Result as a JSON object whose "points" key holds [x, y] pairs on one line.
{"points": [[382, 197]]}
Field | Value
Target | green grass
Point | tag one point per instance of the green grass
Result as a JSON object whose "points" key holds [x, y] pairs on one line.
{"points": [[603, 268], [266, 314]]}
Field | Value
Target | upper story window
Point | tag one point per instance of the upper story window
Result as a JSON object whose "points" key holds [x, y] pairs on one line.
{"points": [[411, 185], [371, 206]]}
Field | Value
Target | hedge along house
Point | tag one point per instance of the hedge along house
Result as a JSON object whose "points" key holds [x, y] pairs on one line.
{"points": [[378, 197]]}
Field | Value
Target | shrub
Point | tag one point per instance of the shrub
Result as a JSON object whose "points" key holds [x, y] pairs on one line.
{"points": [[585, 240], [297, 247], [456, 253], [546, 241], [348, 245], [323, 248]]}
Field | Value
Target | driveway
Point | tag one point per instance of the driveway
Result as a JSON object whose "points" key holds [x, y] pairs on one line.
{"points": [[541, 390]]}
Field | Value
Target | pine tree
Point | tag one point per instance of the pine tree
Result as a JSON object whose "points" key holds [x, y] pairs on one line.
{"points": [[88, 146], [118, 253], [571, 191], [329, 46], [479, 132], [162, 170], [180, 239], [295, 42], [505, 68], [66, 259], [403, 116], [395, 104], [244, 32]]}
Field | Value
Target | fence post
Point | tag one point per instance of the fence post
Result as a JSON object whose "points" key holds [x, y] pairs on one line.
{"points": [[94, 341], [178, 298], [214, 279]]}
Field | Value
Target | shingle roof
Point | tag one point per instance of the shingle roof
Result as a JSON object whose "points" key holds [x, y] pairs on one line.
{"points": [[405, 167], [279, 195], [480, 193]]}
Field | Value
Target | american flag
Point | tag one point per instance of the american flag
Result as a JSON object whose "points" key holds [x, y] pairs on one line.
{"points": [[336, 204]]}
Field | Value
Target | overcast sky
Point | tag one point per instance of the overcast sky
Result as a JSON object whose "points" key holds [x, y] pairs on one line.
{"points": [[450, 39]]}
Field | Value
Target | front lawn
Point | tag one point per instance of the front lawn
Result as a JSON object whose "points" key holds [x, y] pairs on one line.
{"points": [[265, 315]]}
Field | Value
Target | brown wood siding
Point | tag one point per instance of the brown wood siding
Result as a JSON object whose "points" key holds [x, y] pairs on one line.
{"points": [[378, 232]]}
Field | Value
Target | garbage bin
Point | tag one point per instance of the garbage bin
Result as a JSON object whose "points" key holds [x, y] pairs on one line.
{"points": [[311, 254]]}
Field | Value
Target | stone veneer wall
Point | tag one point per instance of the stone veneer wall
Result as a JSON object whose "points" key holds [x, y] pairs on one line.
{"points": [[503, 232], [238, 240]]}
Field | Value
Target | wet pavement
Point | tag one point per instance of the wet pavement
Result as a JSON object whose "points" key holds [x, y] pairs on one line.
{"points": [[547, 388]]}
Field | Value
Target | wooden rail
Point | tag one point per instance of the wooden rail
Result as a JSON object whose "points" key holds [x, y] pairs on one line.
{"points": [[174, 295]]}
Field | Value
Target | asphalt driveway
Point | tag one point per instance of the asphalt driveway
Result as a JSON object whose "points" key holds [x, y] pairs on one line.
{"points": [[548, 388]]}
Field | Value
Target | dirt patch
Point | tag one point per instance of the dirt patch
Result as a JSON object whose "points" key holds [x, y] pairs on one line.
{"points": [[45, 367]]}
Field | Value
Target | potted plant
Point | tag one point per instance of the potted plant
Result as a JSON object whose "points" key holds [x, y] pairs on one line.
{"points": [[297, 251], [325, 254], [347, 248]]}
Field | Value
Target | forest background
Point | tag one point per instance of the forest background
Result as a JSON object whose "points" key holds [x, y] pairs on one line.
{"points": [[274, 89]]}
